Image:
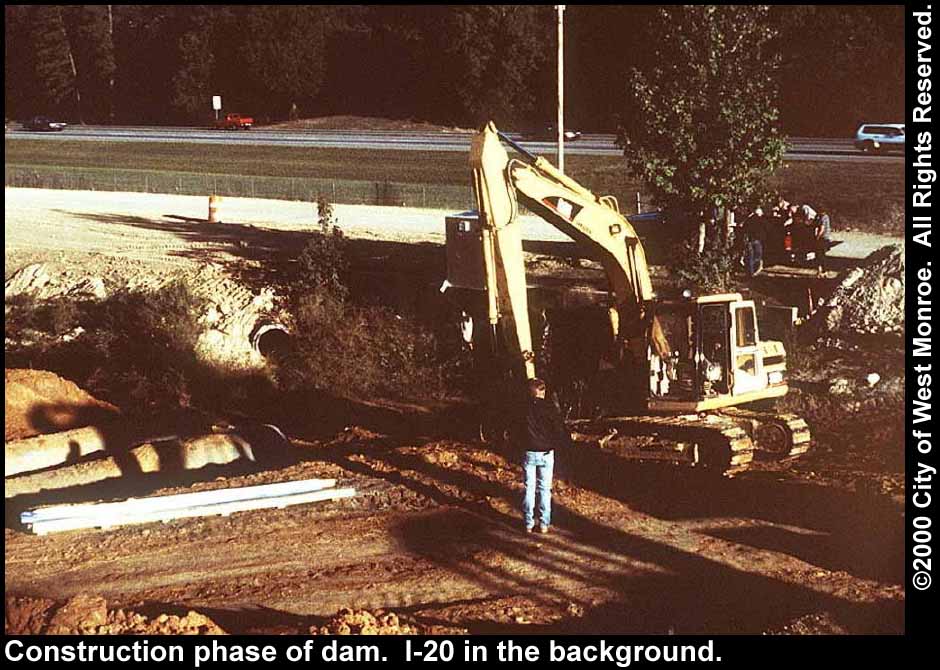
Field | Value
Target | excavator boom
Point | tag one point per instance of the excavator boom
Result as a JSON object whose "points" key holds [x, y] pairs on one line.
{"points": [[563, 202]]}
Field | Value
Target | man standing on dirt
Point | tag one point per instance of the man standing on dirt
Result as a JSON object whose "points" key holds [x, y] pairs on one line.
{"points": [[541, 431]]}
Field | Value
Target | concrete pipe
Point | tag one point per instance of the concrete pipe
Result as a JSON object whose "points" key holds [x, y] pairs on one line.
{"points": [[271, 339], [44, 451], [167, 457]]}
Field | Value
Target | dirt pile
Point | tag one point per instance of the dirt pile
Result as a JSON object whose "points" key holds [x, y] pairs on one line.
{"points": [[42, 282], [348, 122], [234, 313], [362, 622], [89, 615], [38, 402], [869, 299]]}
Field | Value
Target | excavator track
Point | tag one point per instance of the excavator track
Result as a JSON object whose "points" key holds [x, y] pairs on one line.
{"points": [[776, 436], [714, 441]]}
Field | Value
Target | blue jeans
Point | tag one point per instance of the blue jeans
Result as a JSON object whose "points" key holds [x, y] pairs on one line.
{"points": [[538, 477]]}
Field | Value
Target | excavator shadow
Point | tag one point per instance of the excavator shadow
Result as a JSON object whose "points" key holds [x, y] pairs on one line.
{"points": [[687, 592], [836, 529]]}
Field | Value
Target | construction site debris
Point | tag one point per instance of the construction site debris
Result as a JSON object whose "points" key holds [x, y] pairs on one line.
{"points": [[38, 401], [185, 505], [869, 299], [86, 614], [363, 622]]}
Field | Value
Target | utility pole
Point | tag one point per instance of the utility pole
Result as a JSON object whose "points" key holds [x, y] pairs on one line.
{"points": [[561, 87]]}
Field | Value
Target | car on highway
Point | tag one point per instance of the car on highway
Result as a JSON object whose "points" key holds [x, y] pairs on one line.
{"points": [[234, 121], [880, 137], [43, 123]]}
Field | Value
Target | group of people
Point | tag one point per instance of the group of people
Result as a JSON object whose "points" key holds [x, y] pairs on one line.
{"points": [[789, 227]]}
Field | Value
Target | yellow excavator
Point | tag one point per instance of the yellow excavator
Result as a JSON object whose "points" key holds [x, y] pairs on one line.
{"points": [[688, 370]]}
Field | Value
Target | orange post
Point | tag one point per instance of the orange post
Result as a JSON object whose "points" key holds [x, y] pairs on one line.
{"points": [[215, 204]]}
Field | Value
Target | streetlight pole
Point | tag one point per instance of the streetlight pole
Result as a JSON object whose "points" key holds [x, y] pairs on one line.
{"points": [[561, 87]]}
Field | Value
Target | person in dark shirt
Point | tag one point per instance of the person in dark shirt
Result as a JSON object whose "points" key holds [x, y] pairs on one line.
{"points": [[753, 231], [541, 431]]}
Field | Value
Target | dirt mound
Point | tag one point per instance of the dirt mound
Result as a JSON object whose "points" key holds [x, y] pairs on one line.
{"points": [[41, 281], [234, 315], [362, 622], [346, 122], [38, 402], [89, 615], [234, 312], [869, 299]]}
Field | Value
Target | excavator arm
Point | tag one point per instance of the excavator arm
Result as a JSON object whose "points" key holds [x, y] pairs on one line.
{"points": [[588, 219]]}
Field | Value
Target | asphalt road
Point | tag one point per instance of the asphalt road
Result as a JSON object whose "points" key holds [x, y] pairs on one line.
{"points": [[818, 149]]}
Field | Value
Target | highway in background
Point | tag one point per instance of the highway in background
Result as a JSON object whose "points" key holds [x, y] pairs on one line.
{"points": [[801, 148]]}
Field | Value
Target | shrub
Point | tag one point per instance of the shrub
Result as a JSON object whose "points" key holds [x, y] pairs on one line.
{"points": [[145, 343], [712, 270], [54, 317], [354, 351], [348, 349], [323, 263], [325, 215]]}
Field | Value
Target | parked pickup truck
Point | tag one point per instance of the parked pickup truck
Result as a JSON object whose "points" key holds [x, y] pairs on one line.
{"points": [[234, 121]]}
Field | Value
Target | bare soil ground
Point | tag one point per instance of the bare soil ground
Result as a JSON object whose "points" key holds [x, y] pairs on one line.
{"points": [[434, 536], [64, 405]]}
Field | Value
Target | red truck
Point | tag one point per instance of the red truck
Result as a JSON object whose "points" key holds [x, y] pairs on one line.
{"points": [[234, 121]]}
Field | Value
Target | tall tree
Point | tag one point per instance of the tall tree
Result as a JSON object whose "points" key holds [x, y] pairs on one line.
{"points": [[92, 28], [491, 56], [192, 78], [18, 67], [841, 66], [705, 135], [55, 68], [284, 52]]}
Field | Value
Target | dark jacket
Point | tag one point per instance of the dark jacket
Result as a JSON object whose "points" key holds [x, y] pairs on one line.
{"points": [[541, 427]]}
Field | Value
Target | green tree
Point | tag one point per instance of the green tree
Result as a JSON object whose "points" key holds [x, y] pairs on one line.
{"points": [[93, 30], [492, 56], [704, 132], [192, 79], [284, 50], [840, 66], [20, 88], [55, 68]]}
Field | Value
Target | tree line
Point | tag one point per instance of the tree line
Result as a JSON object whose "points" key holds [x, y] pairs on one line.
{"points": [[461, 65]]}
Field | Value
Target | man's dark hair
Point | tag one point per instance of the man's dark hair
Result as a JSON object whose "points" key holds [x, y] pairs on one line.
{"points": [[536, 385]]}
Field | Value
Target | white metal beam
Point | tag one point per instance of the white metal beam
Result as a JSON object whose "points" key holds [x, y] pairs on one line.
{"points": [[163, 508]]}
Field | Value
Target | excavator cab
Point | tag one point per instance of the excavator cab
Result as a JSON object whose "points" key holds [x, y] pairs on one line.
{"points": [[714, 356]]}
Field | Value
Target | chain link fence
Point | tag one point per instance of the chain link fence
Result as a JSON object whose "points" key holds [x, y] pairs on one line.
{"points": [[339, 191]]}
